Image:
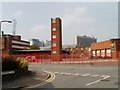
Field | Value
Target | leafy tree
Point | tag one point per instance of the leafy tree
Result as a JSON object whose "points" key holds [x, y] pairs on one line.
{"points": [[34, 47]]}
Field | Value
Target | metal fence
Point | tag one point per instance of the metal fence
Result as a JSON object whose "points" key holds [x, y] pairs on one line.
{"points": [[64, 59]]}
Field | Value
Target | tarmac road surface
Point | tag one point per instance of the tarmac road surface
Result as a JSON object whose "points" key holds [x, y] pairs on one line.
{"points": [[79, 76]]}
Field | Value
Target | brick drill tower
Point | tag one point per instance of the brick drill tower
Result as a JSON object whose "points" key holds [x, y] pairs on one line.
{"points": [[56, 38]]}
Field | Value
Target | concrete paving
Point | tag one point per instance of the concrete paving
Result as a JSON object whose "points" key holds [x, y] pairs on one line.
{"points": [[32, 78]]}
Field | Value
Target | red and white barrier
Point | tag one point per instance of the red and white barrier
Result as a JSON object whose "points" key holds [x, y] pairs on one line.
{"points": [[64, 59]]}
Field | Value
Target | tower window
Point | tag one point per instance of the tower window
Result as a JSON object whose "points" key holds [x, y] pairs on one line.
{"points": [[54, 36], [54, 21], [53, 29], [53, 52], [53, 44]]}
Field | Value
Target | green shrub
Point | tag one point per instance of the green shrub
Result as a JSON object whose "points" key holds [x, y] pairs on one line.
{"points": [[14, 63], [23, 64]]}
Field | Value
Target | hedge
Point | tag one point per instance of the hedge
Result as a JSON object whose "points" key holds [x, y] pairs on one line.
{"points": [[14, 63]]}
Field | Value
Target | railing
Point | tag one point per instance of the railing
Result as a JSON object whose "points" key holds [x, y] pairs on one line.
{"points": [[65, 59]]}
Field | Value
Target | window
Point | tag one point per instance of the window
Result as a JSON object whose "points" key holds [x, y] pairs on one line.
{"points": [[93, 53], [54, 21], [54, 44], [98, 52], [19, 42], [81, 48], [54, 52], [53, 29], [108, 52], [89, 49], [19, 47], [54, 36], [112, 47], [102, 53]]}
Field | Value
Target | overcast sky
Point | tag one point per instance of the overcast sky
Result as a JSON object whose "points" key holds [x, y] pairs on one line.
{"points": [[89, 18]]}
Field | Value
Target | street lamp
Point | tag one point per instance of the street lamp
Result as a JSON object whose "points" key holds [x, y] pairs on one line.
{"points": [[2, 22], [7, 21]]}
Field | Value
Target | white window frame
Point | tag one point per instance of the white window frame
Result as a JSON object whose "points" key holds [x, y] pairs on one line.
{"points": [[53, 44], [54, 52], [19, 42], [53, 29], [54, 21], [53, 36], [19, 47]]}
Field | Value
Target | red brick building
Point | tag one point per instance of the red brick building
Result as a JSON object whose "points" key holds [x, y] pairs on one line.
{"points": [[106, 49], [9, 44]]}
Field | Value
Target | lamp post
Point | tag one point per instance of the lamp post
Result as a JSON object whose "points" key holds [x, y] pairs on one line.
{"points": [[2, 22]]}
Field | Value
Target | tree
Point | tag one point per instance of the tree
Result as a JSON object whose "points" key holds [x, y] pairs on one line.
{"points": [[34, 47]]}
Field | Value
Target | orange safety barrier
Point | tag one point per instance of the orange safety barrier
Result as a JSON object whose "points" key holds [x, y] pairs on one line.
{"points": [[64, 59]]}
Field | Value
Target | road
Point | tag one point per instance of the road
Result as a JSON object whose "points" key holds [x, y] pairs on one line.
{"points": [[80, 76]]}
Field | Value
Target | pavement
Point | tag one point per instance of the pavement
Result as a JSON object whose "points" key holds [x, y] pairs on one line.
{"points": [[30, 80]]}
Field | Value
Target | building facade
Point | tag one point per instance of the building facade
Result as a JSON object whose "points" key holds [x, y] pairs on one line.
{"points": [[106, 49], [10, 43], [47, 43], [40, 43], [84, 40], [84, 52], [36, 42]]}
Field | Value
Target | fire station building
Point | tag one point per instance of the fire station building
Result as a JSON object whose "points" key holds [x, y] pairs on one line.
{"points": [[106, 49]]}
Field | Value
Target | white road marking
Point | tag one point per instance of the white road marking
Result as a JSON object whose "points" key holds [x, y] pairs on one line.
{"points": [[68, 74], [56, 72], [76, 74], [97, 80], [94, 75], [85, 74], [63, 73], [103, 77], [93, 82]]}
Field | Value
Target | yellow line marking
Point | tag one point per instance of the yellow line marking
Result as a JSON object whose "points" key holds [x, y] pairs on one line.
{"points": [[45, 82], [40, 79]]}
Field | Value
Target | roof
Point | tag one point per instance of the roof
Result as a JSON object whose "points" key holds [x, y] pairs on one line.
{"points": [[115, 39], [34, 50]]}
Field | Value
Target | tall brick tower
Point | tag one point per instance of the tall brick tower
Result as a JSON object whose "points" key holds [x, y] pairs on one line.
{"points": [[56, 36]]}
